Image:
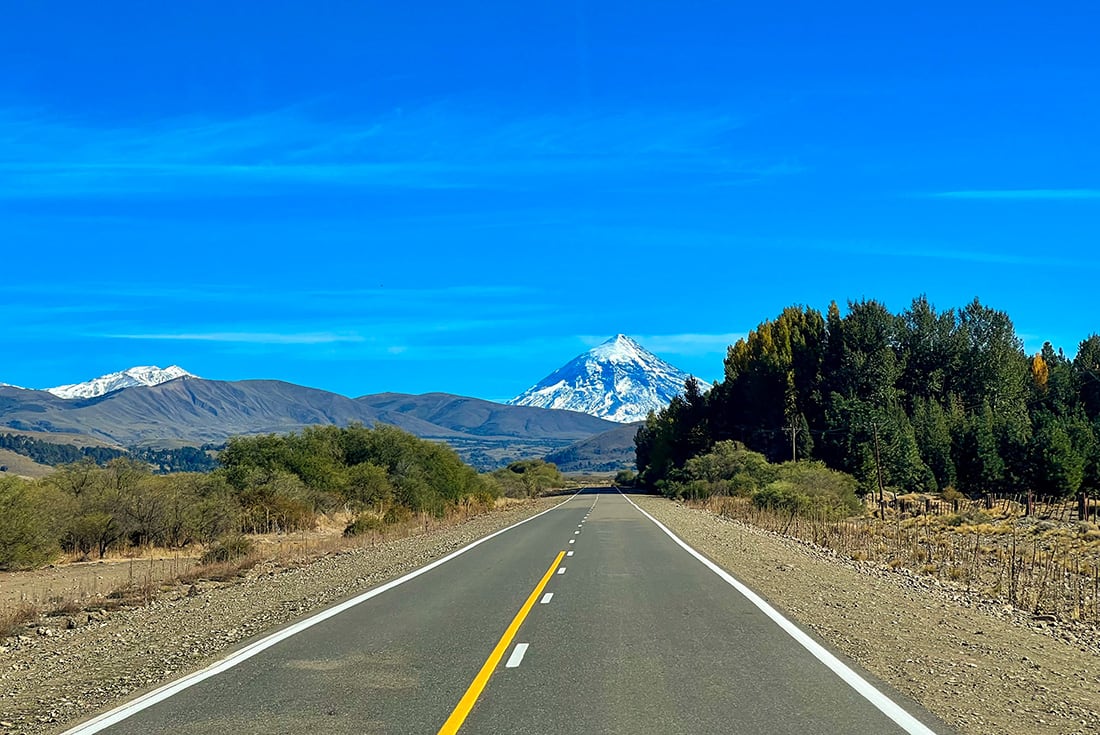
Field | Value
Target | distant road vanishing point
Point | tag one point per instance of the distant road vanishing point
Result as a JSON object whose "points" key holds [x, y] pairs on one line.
{"points": [[588, 618]]}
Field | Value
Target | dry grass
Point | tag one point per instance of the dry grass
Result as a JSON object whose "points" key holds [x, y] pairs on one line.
{"points": [[1045, 565], [12, 620], [138, 576], [64, 606], [221, 571]]}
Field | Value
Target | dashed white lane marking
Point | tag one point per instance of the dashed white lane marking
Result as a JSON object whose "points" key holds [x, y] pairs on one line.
{"points": [[883, 703], [575, 533], [569, 553], [579, 525], [546, 598], [572, 540], [517, 656], [561, 570]]}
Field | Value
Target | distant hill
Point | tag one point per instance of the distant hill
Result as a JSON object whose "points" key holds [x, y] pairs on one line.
{"points": [[18, 465], [182, 411], [191, 411], [609, 451], [484, 418]]}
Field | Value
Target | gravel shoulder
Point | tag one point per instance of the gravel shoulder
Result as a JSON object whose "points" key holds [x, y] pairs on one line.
{"points": [[981, 667], [53, 677]]}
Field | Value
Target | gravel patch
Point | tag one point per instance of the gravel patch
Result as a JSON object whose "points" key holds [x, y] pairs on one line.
{"points": [[984, 668], [54, 675]]}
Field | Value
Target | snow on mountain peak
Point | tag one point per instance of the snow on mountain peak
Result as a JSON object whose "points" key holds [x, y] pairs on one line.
{"points": [[622, 349], [618, 380], [140, 375]]}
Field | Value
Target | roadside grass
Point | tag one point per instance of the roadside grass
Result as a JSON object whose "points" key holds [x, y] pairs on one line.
{"points": [[14, 619], [64, 606], [152, 570], [1044, 566]]}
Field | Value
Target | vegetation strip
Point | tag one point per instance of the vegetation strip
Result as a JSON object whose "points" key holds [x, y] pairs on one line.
{"points": [[462, 709], [381, 477]]}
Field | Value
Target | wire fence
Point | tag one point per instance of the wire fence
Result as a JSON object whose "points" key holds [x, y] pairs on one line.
{"points": [[1041, 556]]}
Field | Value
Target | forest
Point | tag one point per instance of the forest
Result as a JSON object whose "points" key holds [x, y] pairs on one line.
{"points": [[921, 401]]}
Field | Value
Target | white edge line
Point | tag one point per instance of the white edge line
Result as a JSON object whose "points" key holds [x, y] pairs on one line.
{"points": [[864, 688], [546, 598], [517, 655], [122, 712]]}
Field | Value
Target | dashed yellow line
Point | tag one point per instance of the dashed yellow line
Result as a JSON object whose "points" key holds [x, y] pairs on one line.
{"points": [[462, 710]]}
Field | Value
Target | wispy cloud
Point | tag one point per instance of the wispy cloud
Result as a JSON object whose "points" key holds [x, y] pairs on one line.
{"points": [[124, 297], [263, 338], [923, 251], [1018, 194], [431, 147]]}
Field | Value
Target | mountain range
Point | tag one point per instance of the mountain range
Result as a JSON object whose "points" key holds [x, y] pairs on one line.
{"points": [[192, 411], [576, 416]]}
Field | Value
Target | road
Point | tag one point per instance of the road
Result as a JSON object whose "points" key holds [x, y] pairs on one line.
{"points": [[589, 618]]}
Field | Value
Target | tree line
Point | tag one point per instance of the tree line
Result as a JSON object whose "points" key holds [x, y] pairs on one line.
{"points": [[926, 400], [49, 453], [181, 459], [264, 484]]}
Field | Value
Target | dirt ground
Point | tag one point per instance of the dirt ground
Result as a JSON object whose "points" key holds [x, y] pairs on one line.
{"points": [[47, 588]]}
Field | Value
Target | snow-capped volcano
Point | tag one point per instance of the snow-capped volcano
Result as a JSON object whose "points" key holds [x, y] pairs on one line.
{"points": [[142, 375], [619, 380]]}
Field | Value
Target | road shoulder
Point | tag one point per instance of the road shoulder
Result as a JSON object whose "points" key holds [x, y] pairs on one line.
{"points": [[978, 672]]}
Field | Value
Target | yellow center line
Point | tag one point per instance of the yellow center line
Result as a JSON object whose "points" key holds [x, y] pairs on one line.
{"points": [[462, 710]]}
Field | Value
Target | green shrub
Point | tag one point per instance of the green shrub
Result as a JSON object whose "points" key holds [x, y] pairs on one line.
{"points": [[809, 488], [781, 496], [28, 536], [397, 514], [970, 516], [229, 548], [625, 478], [528, 478], [363, 523]]}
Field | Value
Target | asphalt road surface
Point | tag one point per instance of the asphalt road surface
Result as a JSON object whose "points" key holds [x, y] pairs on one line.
{"points": [[589, 618]]}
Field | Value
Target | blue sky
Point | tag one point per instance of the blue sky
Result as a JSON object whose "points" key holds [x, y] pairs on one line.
{"points": [[366, 196]]}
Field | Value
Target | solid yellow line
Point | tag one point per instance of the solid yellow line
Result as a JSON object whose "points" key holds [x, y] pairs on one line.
{"points": [[462, 710]]}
